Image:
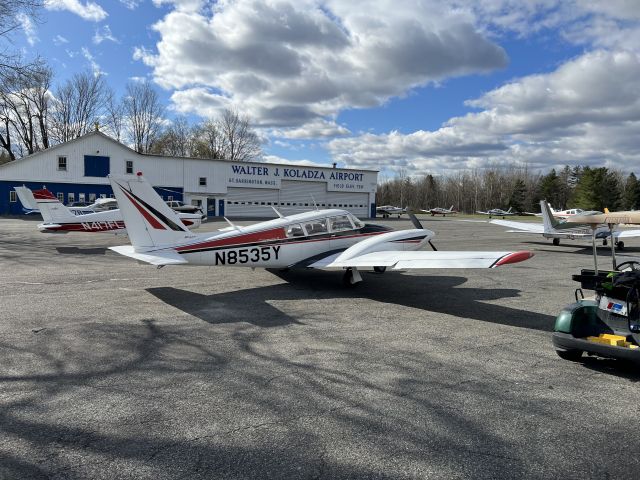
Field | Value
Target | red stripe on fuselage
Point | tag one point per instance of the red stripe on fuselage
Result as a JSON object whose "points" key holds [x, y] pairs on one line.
{"points": [[105, 226], [152, 220], [264, 236]]}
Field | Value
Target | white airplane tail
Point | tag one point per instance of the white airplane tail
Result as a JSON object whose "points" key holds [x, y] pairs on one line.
{"points": [[25, 195], [509, 211], [150, 223], [548, 220], [51, 209]]}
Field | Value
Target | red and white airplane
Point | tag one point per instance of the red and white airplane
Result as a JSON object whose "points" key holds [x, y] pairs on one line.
{"points": [[440, 211], [323, 239], [60, 219]]}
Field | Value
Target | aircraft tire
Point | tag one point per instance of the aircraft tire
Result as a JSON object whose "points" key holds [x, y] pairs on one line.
{"points": [[379, 269], [556, 242], [620, 245]]}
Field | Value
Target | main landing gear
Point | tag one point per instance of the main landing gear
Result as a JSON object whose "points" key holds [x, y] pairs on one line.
{"points": [[556, 242], [619, 245], [351, 277]]}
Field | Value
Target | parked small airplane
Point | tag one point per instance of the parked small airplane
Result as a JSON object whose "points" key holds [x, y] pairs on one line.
{"points": [[60, 219], [388, 210], [557, 230], [497, 212], [322, 239], [29, 204], [441, 211]]}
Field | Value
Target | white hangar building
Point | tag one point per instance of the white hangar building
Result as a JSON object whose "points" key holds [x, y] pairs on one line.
{"points": [[77, 171]]}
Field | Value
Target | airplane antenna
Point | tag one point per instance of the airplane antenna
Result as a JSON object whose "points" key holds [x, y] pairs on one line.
{"points": [[233, 225], [277, 212], [314, 201]]}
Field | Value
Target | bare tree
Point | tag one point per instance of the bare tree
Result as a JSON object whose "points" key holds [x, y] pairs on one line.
{"points": [[208, 141], [241, 143], [11, 14], [143, 114], [114, 114], [77, 104], [176, 140], [24, 107]]}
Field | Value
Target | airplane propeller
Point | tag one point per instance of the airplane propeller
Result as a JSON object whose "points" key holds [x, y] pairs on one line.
{"points": [[418, 225]]}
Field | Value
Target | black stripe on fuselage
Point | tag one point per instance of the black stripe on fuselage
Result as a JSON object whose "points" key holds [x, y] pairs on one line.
{"points": [[172, 225]]}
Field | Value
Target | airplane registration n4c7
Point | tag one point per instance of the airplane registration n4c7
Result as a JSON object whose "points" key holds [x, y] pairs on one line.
{"points": [[319, 239]]}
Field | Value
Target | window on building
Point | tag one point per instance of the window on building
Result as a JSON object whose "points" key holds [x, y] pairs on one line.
{"points": [[202, 181], [12, 196], [103, 195], [62, 163], [170, 198], [128, 166], [197, 203], [72, 197], [92, 197], [81, 197], [60, 196]]}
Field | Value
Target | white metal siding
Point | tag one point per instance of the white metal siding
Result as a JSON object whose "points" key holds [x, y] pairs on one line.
{"points": [[302, 195], [251, 202]]}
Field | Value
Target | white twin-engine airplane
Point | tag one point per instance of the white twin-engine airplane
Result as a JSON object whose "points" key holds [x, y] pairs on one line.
{"points": [[60, 219], [556, 230], [323, 239]]}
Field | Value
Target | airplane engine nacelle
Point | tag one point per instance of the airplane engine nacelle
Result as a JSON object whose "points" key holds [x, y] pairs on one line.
{"points": [[399, 241]]}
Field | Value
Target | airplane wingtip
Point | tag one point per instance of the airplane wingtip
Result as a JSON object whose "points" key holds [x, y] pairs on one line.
{"points": [[514, 257]]}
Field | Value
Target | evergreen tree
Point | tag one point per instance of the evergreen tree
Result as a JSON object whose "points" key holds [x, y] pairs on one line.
{"points": [[517, 198], [631, 193], [550, 189]]}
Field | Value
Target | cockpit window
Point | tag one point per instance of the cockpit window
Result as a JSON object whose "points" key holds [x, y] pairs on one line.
{"points": [[316, 227], [294, 230], [340, 223]]}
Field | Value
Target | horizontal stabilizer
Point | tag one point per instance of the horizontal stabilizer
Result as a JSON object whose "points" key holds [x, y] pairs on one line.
{"points": [[422, 259], [158, 257]]}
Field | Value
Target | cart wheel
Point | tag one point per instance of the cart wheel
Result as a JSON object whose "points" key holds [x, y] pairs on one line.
{"points": [[620, 245], [556, 242], [571, 355], [604, 242]]}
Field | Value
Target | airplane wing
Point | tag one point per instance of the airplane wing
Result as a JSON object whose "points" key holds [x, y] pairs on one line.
{"points": [[423, 259], [524, 227], [157, 257], [627, 233]]}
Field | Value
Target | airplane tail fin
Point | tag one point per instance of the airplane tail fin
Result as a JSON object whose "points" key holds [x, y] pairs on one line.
{"points": [[25, 195], [451, 208], [509, 211], [150, 222], [549, 221], [51, 209]]}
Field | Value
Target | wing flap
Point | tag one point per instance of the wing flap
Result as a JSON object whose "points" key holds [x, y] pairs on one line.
{"points": [[421, 259], [158, 257]]}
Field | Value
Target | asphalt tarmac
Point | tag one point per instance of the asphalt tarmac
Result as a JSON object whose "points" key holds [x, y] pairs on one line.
{"points": [[113, 369]]}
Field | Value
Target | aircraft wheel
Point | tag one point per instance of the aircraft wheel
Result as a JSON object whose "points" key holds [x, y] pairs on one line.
{"points": [[379, 269], [620, 245], [556, 241], [571, 355]]}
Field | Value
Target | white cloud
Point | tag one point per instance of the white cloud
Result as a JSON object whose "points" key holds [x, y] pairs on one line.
{"points": [[28, 28], [102, 34], [130, 4], [285, 161], [584, 112], [292, 63], [92, 62], [88, 10], [59, 40]]}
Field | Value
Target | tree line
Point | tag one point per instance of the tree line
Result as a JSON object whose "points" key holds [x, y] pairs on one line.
{"points": [[589, 188], [34, 115]]}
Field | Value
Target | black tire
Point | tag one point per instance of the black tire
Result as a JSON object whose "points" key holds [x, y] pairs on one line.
{"points": [[604, 242], [571, 355], [620, 245], [556, 242], [379, 269]]}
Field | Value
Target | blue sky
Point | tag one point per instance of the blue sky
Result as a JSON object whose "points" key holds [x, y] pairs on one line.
{"points": [[428, 86]]}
